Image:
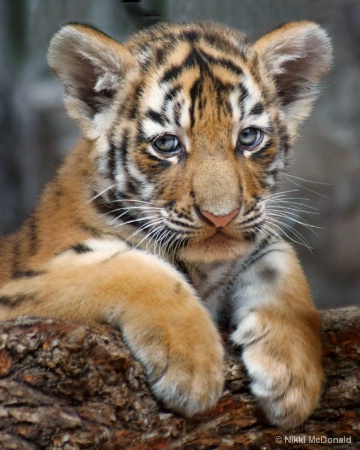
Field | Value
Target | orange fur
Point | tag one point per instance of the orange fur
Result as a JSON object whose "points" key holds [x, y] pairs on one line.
{"points": [[159, 216]]}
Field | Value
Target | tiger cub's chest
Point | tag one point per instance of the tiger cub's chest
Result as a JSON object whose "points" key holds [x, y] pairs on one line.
{"points": [[213, 283]]}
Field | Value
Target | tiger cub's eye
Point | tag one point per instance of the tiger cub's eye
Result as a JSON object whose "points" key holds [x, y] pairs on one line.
{"points": [[250, 137], [167, 143]]}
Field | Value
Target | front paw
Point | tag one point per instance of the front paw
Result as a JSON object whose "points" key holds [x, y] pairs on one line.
{"points": [[182, 357], [283, 360]]}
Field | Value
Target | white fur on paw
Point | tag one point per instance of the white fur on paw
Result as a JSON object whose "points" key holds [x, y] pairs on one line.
{"points": [[190, 392], [188, 380], [249, 330], [287, 392], [269, 378]]}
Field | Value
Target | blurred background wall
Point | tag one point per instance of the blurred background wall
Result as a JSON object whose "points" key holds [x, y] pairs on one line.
{"points": [[36, 133]]}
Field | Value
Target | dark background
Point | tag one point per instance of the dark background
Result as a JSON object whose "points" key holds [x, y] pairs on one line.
{"points": [[36, 133]]}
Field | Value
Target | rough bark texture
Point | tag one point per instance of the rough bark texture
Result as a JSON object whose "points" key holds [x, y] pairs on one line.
{"points": [[69, 386]]}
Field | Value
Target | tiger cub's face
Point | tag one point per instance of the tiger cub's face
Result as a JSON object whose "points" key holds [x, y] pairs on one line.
{"points": [[190, 127]]}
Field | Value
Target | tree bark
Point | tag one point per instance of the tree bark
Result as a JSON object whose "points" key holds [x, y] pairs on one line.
{"points": [[71, 386]]}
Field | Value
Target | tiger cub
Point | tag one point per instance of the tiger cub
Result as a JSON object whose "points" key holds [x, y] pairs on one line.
{"points": [[159, 221]]}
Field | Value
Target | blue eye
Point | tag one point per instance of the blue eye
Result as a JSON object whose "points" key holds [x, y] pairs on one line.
{"points": [[167, 143], [250, 137]]}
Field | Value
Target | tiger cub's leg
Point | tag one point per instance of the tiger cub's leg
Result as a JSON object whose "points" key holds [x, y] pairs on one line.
{"points": [[278, 329], [161, 318]]}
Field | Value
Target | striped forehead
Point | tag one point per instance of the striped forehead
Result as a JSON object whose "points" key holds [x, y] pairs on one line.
{"points": [[173, 89]]}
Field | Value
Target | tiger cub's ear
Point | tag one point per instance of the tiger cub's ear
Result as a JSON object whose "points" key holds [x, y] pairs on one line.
{"points": [[91, 66], [296, 55]]}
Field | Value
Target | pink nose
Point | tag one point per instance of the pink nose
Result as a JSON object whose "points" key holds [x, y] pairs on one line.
{"points": [[220, 221]]}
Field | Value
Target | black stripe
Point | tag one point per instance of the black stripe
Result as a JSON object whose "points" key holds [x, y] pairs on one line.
{"points": [[258, 257], [152, 157], [136, 98], [132, 185], [182, 224], [273, 173], [81, 248], [182, 215], [204, 61], [221, 100], [190, 35], [257, 109], [253, 206], [160, 164], [192, 59], [114, 153], [250, 219], [227, 64], [27, 273], [172, 93], [160, 54], [171, 73], [195, 93], [259, 253], [197, 58], [230, 66], [250, 235], [157, 117], [177, 113], [261, 154], [13, 301], [89, 229], [225, 46], [244, 92]]}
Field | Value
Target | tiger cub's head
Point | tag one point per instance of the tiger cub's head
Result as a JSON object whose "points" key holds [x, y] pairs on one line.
{"points": [[189, 127]]}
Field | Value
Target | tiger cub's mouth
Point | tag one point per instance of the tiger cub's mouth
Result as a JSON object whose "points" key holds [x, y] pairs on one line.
{"points": [[220, 246], [220, 238]]}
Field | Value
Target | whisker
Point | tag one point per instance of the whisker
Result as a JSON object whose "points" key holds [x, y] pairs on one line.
{"points": [[96, 196], [290, 200], [134, 201], [269, 232], [308, 181], [158, 236], [152, 235], [285, 205], [140, 219], [140, 208], [146, 225], [302, 241], [305, 224], [280, 194], [165, 237], [149, 225], [304, 187], [281, 208]]}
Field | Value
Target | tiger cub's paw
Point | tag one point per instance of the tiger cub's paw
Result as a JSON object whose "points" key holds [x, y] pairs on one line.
{"points": [[191, 384], [283, 364], [182, 355]]}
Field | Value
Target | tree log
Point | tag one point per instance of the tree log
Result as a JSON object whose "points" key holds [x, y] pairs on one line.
{"points": [[72, 386]]}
